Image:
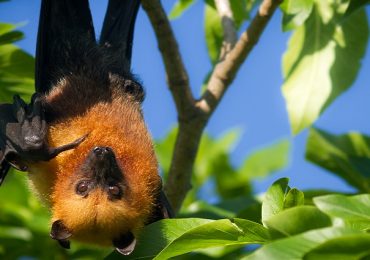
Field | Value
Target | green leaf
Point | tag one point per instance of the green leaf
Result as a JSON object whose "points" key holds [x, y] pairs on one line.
{"points": [[15, 233], [10, 37], [218, 233], [351, 209], [175, 237], [16, 73], [202, 209], [294, 198], [268, 160], [322, 60], [350, 247], [213, 160], [355, 5], [295, 13], [240, 11], [273, 201], [6, 27], [298, 220], [297, 246], [347, 156], [179, 8], [213, 31]]}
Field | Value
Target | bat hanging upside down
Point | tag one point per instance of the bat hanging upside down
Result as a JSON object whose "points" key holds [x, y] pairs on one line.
{"points": [[82, 138]]}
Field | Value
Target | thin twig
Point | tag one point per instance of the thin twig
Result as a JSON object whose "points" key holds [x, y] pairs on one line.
{"points": [[225, 71]]}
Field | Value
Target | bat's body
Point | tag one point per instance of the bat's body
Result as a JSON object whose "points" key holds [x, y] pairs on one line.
{"points": [[115, 123], [83, 139]]}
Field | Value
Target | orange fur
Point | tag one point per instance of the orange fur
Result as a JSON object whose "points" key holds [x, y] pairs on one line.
{"points": [[114, 120]]}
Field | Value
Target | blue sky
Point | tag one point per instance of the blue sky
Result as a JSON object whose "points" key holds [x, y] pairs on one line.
{"points": [[253, 103]]}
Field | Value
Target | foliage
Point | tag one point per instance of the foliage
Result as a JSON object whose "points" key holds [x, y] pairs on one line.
{"points": [[222, 218], [347, 156], [295, 232], [25, 225], [16, 66], [314, 69]]}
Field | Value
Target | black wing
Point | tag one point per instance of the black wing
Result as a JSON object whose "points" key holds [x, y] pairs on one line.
{"points": [[6, 116], [64, 26], [118, 30]]}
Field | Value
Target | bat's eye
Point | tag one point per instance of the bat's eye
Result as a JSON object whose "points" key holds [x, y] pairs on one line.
{"points": [[82, 188], [114, 191]]}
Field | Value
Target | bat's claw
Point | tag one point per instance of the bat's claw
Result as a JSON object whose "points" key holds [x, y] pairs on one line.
{"points": [[26, 136], [53, 152]]}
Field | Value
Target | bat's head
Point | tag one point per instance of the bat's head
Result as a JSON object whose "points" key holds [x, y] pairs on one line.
{"points": [[97, 206]]}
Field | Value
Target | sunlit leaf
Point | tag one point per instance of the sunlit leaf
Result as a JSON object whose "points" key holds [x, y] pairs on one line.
{"points": [[179, 236], [347, 156], [295, 13], [16, 73], [350, 247], [294, 198], [6, 27], [297, 220], [213, 30], [180, 7], [273, 201], [348, 208], [295, 247], [322, 60]]}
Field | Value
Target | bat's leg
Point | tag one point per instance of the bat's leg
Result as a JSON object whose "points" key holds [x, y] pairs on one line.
{"points": [[27, 137]]}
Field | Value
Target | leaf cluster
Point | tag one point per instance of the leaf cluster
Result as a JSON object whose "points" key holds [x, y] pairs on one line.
{"points": [[333, 226]]}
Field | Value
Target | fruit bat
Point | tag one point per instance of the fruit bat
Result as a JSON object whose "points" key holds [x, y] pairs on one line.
{"points": [[82, 138]]}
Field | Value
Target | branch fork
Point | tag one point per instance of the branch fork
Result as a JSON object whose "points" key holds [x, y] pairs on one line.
{"points": [[194, 114]]}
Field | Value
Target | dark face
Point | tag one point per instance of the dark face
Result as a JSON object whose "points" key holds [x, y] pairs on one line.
{"points": [[101, 170]]}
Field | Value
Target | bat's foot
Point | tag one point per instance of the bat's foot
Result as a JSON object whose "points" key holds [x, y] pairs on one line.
{"points": [[27, 137]]}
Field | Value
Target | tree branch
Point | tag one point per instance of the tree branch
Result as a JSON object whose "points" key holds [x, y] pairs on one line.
{"points": [[225, 71], [193, 116], [177, 75]]}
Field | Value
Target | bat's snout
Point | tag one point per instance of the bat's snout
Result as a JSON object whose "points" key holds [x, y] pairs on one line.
{"points": [[101, 152]]}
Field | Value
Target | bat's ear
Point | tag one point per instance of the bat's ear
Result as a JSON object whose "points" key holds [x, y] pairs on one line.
{"points": [[4, 167], [60, 233], [166, 209], [162, 210], [125, 244]]}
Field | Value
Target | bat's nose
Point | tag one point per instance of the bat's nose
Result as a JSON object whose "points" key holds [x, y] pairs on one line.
{"points": [[102, 151]]}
